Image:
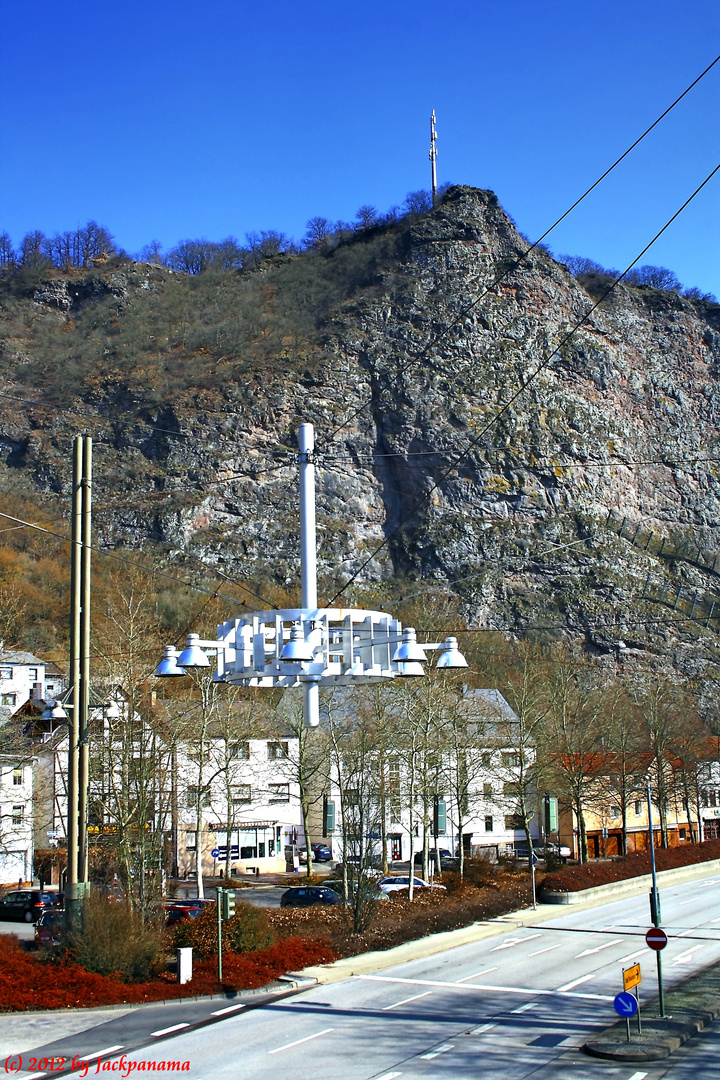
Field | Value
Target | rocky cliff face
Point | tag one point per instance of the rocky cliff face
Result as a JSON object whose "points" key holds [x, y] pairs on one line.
{"points": [[517, 516]]}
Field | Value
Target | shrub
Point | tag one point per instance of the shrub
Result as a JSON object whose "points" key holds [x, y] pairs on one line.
{"points": [[249, 930], [113, 939]]}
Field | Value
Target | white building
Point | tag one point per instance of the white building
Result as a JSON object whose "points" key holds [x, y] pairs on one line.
{"points": [[24, 676], [16, 820]]}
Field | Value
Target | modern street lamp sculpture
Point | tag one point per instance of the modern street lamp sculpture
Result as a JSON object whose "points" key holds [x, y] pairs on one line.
{"points": [[310, 646]]}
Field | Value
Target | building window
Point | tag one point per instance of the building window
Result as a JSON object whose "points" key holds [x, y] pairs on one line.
{"points": [[277, 751], [17, 776], [5, 673], [488, 824], [9, 699], [33, 674], [487, 791], [190, 841], [511, 761], [487, 760], [192, 798], [18, 815], [240, 750], [241, 795], [279, 793], [614, 811], [511, 788], [514, 821], [248, 852], [638, 807], [682, 834]]}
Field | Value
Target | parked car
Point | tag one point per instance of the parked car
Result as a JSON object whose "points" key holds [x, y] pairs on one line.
{"points": [[27, 905], [49, 927], [320, 853], [190, 901], [397, 882], [370, 890], [443, 852], [308, 895]]}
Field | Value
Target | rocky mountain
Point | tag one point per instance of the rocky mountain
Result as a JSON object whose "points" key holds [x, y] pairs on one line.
{"points": [[588, 508]]}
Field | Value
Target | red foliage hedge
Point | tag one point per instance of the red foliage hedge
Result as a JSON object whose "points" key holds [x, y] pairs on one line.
{"points": [[574, 878], [27, 981]]}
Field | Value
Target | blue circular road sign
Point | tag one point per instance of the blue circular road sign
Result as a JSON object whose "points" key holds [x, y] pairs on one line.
{"points": [[625, 1004], [215, 852]]}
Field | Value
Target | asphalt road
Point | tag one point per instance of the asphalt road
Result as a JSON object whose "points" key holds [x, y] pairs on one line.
{"points": [[509, 1006]]}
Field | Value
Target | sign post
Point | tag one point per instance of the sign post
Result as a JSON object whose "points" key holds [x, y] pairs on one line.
{"points": [[625, 1005], [632, 980], [655, 907], [219, 903]]}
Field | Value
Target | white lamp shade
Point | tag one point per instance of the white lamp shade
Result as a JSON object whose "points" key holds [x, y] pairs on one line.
{"points": [[410, 669], [168, 667], [192, 655], [297, 649], [451, 657], [409, 649]]}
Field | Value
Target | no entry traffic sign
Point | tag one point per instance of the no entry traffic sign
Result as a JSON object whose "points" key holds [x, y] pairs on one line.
{"points": [[656, 938]]}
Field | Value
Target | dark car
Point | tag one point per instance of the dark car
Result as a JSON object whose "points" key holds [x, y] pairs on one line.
{"points": [[320, 853], [26, 905], [306, 896], [49, 927]]}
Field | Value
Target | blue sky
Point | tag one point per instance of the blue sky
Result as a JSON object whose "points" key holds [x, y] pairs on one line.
{"points": [[165, 120]]}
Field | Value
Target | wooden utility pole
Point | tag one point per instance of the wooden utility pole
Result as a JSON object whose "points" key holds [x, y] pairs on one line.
{"points": [[433, 158]]}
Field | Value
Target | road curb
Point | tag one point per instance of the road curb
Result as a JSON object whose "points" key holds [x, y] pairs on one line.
{"points": [[691, 1006]]}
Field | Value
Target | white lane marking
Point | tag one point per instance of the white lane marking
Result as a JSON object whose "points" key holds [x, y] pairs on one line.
{"points": [[575, 982], [632, 956], [405, 1001], [526, 1007], [510, 942], [714, 920], [685, 956], [230, 1008], [528, 991], [548, 949], [638, 1076], [599, 948], [691, 900], [685, 933], [297, 1042], [485, 971], [482, 1029], [166, 1031], [101, 1053], [389, 1076], [707, 884], [434, 1053]]}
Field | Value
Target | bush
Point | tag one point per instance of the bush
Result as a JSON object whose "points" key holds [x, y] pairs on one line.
{"points": [[249, 930], [113, 939], [590, 875]]}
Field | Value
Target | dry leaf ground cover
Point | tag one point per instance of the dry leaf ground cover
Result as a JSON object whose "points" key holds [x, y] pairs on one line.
{"points": [[35, 981], [574, 878], [397, 920]]}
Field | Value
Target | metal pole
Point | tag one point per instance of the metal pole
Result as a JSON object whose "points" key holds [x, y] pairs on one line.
{"points": [[84, 718], [71, 891], [308, 559], [219, 931], [655, 904], [433, 158]]}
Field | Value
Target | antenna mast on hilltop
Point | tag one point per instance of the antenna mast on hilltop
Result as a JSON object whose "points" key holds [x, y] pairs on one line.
{"points": [[433, 158]]}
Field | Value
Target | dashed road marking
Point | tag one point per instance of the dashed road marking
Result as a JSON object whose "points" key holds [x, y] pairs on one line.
{"points": [[575, 982], [526, 1007], [230, 1008], [548, 949], [485, 971], [298, 1041], [167, 1031], [482, 1029], [440, 1050]]}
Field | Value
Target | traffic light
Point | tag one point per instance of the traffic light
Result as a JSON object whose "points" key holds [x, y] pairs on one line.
{"points": [[328, 816], [228, 904], [439, 816]]}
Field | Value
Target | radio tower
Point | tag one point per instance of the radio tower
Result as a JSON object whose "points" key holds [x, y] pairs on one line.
{"points": [[433, 158]]}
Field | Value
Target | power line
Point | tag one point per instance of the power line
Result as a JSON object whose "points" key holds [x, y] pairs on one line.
{"points": [[434, 338], [474, 442]]}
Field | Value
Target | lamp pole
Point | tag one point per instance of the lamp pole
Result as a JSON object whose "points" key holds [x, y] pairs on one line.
{"points": [[308, 560]]}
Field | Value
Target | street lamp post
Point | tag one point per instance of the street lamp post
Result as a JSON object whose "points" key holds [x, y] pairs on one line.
{"points": [[311, 646]]}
